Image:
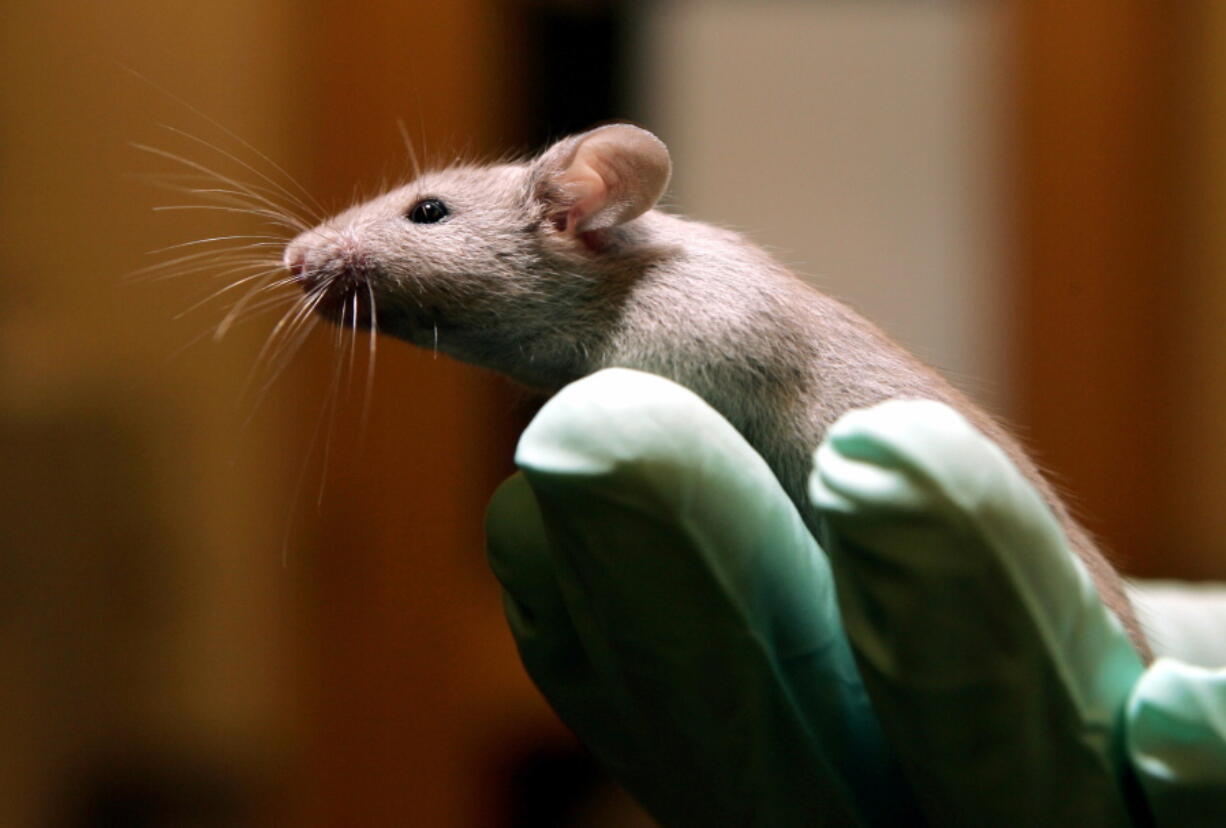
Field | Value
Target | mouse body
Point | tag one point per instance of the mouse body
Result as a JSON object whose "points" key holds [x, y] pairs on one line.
{"points": [[554, 268]]}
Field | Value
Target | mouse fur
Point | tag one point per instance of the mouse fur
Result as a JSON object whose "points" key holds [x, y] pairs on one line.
{"points": [[554, 268]]}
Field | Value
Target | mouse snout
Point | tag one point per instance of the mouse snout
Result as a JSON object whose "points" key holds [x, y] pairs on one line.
{"points": [[324, 264], [305, 271], [335, 274]]}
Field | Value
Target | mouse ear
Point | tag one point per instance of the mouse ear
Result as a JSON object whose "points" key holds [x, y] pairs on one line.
{"points": [[602, 178]]}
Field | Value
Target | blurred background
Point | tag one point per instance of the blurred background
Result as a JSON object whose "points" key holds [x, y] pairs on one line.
{"points": [[205, 621]]}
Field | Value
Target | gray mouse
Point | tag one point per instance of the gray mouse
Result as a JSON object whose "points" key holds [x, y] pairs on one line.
{"points": [[551, 269]]}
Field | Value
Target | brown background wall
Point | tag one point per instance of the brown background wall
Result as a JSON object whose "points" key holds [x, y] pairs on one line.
{"points": [[1118, 181]]}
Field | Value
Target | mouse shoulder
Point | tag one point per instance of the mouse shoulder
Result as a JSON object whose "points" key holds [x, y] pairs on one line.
{"points": [[671, 227]]}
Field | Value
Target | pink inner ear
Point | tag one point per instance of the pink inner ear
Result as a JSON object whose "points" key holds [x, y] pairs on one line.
{"points": [[603, 178], [567, 221], [588, 189]]}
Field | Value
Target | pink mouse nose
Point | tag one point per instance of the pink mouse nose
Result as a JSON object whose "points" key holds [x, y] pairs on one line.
{"points": [[295, 263]]}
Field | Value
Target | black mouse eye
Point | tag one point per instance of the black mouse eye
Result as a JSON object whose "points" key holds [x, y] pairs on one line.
{"points": [[428, 211]]}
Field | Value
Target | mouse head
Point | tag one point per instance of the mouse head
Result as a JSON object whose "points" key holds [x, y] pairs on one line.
{"points": [[476, 260]]}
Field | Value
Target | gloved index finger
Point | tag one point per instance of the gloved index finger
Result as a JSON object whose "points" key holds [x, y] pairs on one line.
{"points": [[705, 603]]}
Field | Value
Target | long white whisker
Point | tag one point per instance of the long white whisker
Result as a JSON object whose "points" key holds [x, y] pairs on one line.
{"points": [[240, 198], [185, 181], [333, 394], [216, 124], [244, 260], [221, 256], [254, 309], [313, 442], [275, 184], [271, 300], [276, 209], [300, 310], [368, 393], [283, 340], [210, 265], [408, 145], [258, 240], [353, 342], [225, 195], [237, 309], [281, 220], [229, 286], [209, 172], [291, 342]]}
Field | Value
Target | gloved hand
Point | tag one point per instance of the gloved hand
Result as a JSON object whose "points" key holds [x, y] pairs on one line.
{"points": [[670, 604]]}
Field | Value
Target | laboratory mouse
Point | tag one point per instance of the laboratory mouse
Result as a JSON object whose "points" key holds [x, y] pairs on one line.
{"points": [[553, 268]]}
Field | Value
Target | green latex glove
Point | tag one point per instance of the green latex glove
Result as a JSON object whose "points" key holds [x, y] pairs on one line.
{"points": [[992, 664], [1012, 695], [677, 614], [671, 606]]}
